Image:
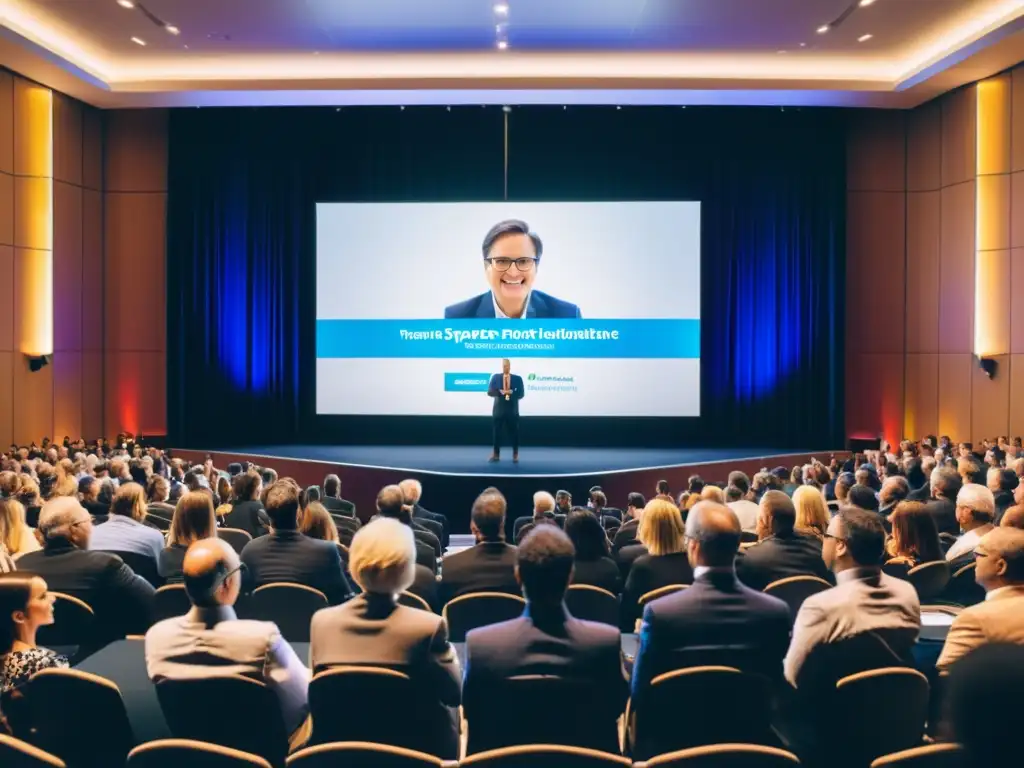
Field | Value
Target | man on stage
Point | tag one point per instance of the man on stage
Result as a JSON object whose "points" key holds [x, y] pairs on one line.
{"points": [[507, 389]]}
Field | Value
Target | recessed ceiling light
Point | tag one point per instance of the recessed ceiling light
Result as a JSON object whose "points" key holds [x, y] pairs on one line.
{"points": [[172, 29], [866, 3], [501, 9], [138, 41], [823, 29], [502, 45], [126, 3], [803, 45], [864, 38], [780, 51]]}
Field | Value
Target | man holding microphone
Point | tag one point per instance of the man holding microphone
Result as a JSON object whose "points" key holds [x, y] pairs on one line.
{"points": [[507, 389]]}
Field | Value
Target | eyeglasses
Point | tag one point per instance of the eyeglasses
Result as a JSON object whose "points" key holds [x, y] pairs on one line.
{"points": [[502, 264], [81, 522]]}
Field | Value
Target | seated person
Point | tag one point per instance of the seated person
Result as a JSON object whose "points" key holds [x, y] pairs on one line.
{"points": [[975, 512], [391, 504], [210, 640], [16, 538], [914, 539], [193, 520], [126, 529], [247, 512], [665, 563], [372, 629], [782, 550], [543, 514], [626, 535], [489, 566], [593, 564]]}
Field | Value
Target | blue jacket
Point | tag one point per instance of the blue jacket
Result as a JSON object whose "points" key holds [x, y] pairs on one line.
{"points": [[541, 306]]}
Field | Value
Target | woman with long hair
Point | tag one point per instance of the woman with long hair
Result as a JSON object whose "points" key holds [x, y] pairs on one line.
{"points": [[16, 538], [223, 496], [811, 512], [915, 537], [592, 563], [193, 519], [317, 523], [666, 562]]}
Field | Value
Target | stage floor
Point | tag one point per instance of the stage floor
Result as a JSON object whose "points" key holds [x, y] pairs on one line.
{"points": [[533, 461]]}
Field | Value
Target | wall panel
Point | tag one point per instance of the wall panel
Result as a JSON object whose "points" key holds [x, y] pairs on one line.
{"points": [[1016, 121], [67, 140], [67, 395], [1016, 374], [1016, 305], [990, 401], [922, 281], [956, 269], [33, 396], [6, 209], [924, 147], [6, 122], [994, 319], [875, 395], [92, 270], [875, 245], [955, 374], [876, 151], [993, 212], [135, 392], [92, 394], [67, 267], [7, 397], [921, 408], [959, 143], [136, 150], [6, 299], [92, 148]]}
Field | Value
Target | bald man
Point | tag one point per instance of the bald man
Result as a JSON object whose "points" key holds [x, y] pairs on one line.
{"points": [[210, 640], [1000, 618], [717, 620], [1013, 518]]}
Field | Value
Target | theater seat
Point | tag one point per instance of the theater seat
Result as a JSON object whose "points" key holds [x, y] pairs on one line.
{"points": [[74, 625], [544, 756], [591, 603], [410, 600], [882, 711], [15, 753], [654, 594], [236, 537], [365, 755], [929, 579], [724, 756], [467, 612], [170, 601], [931, 756], [794, 590], [179, 753], [290, 606]]}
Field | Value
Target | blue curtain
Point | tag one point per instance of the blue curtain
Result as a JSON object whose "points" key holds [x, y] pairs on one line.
{"points": [[241, 254]]}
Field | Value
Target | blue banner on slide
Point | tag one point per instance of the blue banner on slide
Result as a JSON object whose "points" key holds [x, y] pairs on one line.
{"points": [[482, 338]]}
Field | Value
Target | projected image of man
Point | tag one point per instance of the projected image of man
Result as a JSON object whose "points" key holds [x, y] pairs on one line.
{"points": [[511, 259]]}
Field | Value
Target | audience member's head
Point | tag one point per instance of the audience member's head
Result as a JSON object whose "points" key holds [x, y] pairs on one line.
{"points": [[282, 505], [157, 489], [971, 471], [914, 472], [1013, 517], [712, 535], [268, 476], [695, 484], [246, 486], [1002, 480], [543, 504], [598, 501], [412, 491], [811, 513], [863, 497], [855, 539], [733, 493], [1000, 559], [193, 519], [740, 480], [661, 488], [382, 558], [635, 504], [894, 490], [309, 495], [914, 533], [661, 528], [777, 515], [563, 500], [391, 504], [12, 525], [88, 488], [946, 483], [844, 483], [332, 487], [712, 493], [544, 563], [317, 523], [487, 519], [212, 573], [587, 534], [975, 506], [130, 501], [64, 521], [25, 605]]}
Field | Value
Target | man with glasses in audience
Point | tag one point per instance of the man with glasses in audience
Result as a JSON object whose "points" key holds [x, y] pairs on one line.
{"points": [[511, 257]]}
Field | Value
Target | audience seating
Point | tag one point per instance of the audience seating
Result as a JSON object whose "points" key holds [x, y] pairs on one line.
{"points": [[544, 756], [724, 756], [231, 711], [468, 612], [654, 594], [410, 600], [161, 523], [962, 588], [929, 579], [236, 537], [590, 603], [184, 753], [290, 606], [79, 717], [734, 707], [795, 589], [364, 754], [74, 625], [170, 601], [930, 756], [15, 753], [143, 565], [946, 540], [882, 711], [372, 691]]}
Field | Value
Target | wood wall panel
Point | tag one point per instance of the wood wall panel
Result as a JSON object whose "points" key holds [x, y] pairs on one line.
{"points": [[6, 398], [6, 209], [924, 147], [993, 211], [956, 269], [92, 149], [1016, 305], [1017, 208], [1016, 374], [875, 244], [67, 395], [1016, 121], [92, 394], [136, 285], [875, 395], [6, 298], [92, 270], [33, 395], [990, 401], [959, 143], [921, 406], [6, 122], [876, 151], [135, 392], [956, 375], [67, 140], [136, 150], [922, 280], [67, 267]]}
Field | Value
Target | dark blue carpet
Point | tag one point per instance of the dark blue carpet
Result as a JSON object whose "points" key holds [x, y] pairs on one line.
{"points": [[472, 460]]}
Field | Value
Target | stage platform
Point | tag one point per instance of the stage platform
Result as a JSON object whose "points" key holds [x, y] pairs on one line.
{"points": [[452, 476]]}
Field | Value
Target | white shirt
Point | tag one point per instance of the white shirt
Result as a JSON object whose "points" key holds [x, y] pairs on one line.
{"points": [[747, 512], [499, 313], [965, 544], [999, 590]]}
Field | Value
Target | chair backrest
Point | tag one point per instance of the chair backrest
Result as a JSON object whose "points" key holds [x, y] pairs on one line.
{"points": [[74, 623], [795, 589], [79, 717], [410, 600], [591, 603], [831, 662], [946, 540], [657, 727], [930, 756], [724, 756], [962, 587], [175, 753], [479, 609], [290, 606], [171, 600], [654, 594], [15, 753], [235, 537], [504, 714], [232, 711], [929, 579], [882, 711], [544, 756], [365, 755], [143, 565]]}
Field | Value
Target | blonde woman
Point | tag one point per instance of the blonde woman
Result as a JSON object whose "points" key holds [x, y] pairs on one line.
{"points": [[15, 535], [317, 523], [666, 562], [811, 512], [126, 529], [193, 519]]}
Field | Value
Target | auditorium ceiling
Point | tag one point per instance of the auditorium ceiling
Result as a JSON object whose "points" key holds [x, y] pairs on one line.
{"points": [[122, 53]]}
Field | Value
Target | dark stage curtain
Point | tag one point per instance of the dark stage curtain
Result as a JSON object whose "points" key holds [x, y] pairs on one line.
{"points": [[241, 252]]}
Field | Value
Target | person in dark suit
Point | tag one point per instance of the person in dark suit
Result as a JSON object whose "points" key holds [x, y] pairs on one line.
{"points": [[247, 512], [717, 620], [664, 563], [592, 564], [412, 490], [782, 551], [945, 484], [626, 535], [507, 390], [332, 497], [287, 555], [489, 566], [545, 640], [122, 600], [511, 258], [391, 504], [374, 630]]}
